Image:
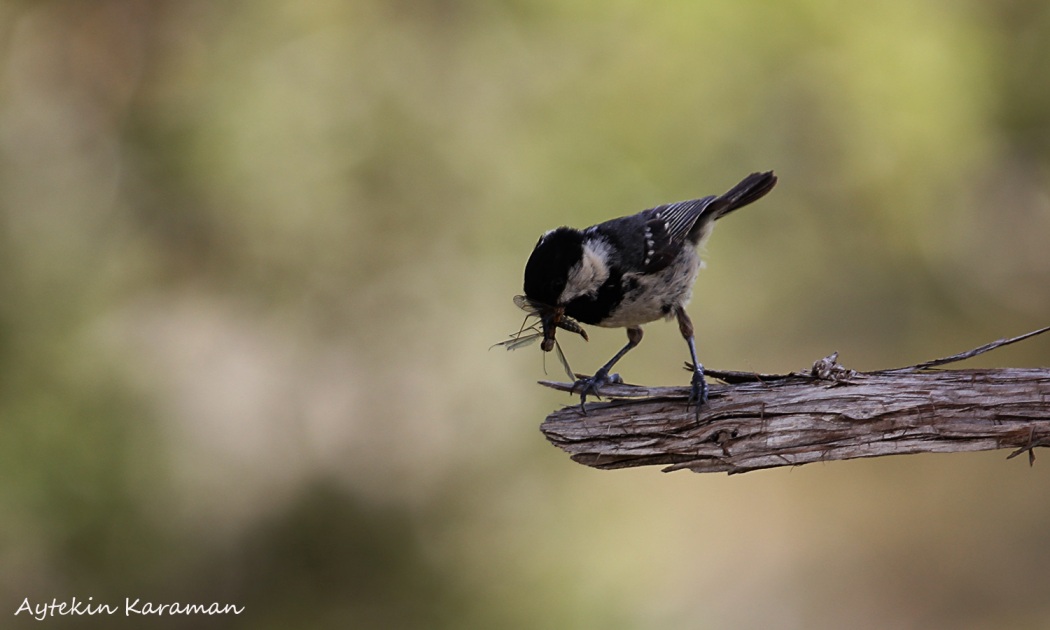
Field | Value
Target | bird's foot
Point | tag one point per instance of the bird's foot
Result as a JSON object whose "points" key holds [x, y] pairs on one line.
{"points": [[698, 391], [591, 385]]}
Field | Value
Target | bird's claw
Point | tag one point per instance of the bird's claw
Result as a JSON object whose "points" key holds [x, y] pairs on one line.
{"points": [[591, 385], [698, 390]]}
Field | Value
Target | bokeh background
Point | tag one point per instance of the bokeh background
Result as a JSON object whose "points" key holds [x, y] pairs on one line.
{"points": [[253, 256]]}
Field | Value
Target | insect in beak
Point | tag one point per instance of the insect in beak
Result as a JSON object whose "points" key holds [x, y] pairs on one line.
{"points": [[554, 318], [551, 319]]}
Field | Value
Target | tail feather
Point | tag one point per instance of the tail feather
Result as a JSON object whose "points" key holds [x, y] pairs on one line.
{"points": [[749, 190]]}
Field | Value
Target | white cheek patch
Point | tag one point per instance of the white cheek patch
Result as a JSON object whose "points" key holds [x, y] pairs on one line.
{"points": [[588, 275]]}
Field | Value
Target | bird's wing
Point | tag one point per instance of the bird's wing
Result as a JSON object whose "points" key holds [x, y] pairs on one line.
{"points": [[666, 230]]}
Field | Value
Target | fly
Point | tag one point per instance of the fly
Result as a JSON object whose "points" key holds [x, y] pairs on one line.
{"points": [[551, 318]]}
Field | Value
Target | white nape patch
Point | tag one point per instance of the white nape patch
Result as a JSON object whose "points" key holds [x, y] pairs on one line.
{"points": [[588, 275]]}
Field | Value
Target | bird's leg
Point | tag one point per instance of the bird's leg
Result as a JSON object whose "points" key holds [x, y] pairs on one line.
{"points": [[601, 377], [698, 393]]}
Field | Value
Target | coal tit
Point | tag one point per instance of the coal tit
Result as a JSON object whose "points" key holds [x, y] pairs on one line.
{"points": [[624, 273]]}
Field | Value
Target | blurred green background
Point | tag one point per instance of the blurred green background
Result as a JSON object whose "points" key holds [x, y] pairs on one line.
{"points": [[253, 256]]}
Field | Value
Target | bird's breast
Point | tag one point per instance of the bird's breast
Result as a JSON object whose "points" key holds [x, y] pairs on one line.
{"points": [[649, 297]]}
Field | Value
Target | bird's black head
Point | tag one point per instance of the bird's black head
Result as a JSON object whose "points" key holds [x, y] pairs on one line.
{"points": [[546, 275], [547, 271]]}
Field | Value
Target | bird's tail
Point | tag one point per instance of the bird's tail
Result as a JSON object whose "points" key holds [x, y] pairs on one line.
{"points": [[749, 190]]}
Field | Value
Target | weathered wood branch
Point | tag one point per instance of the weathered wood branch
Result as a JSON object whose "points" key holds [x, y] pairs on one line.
{"points": [[762, 421]]}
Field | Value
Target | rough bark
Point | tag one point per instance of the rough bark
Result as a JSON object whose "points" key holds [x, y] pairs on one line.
{"points": [[763, 421]]}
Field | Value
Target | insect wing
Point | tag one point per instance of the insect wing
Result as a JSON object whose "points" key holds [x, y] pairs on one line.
{"points": [[564, 362], [524, 304], [520, 341]]}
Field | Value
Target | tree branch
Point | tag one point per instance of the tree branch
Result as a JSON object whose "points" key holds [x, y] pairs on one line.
{"points": [[764, 420]]}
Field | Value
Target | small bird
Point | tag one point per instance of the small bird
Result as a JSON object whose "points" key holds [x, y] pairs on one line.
{"points": [[624, 273]]}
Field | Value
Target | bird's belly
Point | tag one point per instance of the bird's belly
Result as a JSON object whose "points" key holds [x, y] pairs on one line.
{"points": [[649, 297]]}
